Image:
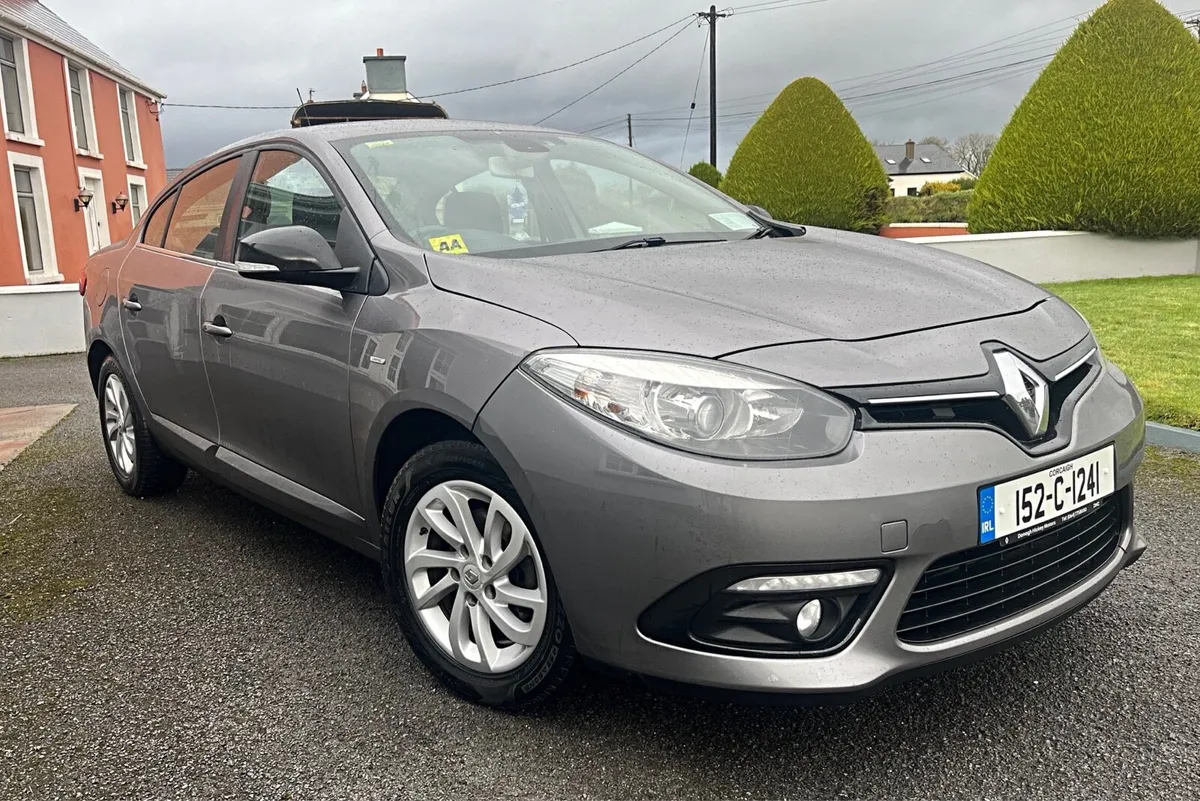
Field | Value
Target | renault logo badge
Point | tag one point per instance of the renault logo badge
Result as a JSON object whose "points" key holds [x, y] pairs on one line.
{"points": [[1025, 392]]}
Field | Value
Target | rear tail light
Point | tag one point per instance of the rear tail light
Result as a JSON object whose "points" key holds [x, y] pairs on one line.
{"points": [[83, 283]]}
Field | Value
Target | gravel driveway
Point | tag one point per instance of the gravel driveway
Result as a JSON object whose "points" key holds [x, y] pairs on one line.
{"points": [[200, 647]]}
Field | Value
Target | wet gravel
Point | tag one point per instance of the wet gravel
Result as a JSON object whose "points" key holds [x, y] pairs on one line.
{"points": [[201, 647]]}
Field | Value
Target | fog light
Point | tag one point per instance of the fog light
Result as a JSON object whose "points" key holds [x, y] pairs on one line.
{"points": [[809, 619]]}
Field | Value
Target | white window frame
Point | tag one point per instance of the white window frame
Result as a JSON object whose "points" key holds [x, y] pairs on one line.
{"points": [[25, 90], [89, 112], [101, 209], [140, 182], [139, 162], [50, 273]]}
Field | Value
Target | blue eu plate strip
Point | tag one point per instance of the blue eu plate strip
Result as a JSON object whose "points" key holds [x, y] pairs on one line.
{"points": [[987, 515]]}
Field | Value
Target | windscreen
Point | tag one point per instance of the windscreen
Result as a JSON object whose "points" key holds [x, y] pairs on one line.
{"points": [[526, 193]]}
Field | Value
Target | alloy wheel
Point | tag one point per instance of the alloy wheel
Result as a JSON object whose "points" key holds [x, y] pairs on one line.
{"points": [[475, 577], [118, 426]]}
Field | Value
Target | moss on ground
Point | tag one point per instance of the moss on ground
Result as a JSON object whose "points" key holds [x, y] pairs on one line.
{"points": [[33, 516], [1173, 465]]}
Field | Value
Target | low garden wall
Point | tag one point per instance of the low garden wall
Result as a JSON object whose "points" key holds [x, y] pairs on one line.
{"points": [[1054, 256], [41, 320]]}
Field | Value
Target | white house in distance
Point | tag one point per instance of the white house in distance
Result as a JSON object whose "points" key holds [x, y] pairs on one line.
{"points": [[910, 166]]}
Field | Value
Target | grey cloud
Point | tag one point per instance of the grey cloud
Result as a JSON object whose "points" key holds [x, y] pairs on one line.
{"points": [[260, 52]]}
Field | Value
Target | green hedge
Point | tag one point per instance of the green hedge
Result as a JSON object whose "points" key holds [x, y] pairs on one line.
{"points": [[707, 173], [1108, 138], [942, 207], [807, 161]]}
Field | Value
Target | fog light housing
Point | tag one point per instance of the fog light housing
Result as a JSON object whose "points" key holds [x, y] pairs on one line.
{"points": [[769, 610], [809, 619]]}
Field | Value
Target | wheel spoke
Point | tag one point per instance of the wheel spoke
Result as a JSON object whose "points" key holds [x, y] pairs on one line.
{"points": [[456, 504], [507, 559], [489, 652], [441, 526], [435, 594], [460, 629], [513, 627], [428, 558], [509, 594]]}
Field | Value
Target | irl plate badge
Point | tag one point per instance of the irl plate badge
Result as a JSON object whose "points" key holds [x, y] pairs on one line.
{"points": [[987, 515]]}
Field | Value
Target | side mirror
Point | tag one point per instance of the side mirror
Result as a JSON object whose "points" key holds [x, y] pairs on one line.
{"points": [[293, 254]]}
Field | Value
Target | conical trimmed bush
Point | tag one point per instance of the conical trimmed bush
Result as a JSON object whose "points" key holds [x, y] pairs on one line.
{"points": [[707, 173], [807, 161], [1108, 137]]}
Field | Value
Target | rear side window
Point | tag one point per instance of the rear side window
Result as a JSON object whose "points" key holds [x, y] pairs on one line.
{"points": [[196, 222], [156, 226]]}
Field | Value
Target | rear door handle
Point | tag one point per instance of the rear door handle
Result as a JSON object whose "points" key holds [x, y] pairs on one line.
{"points": [[222, 331], [131, 303]]}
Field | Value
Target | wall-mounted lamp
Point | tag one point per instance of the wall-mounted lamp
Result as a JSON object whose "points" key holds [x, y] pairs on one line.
{"points": [[84, 198], [119, 202]]}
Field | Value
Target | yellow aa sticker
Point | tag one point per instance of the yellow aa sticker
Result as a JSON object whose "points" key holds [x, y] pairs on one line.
{"points": [[448, 244]]}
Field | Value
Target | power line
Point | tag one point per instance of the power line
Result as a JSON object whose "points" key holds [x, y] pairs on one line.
{"points": [[695, 94], [656, 48], [226, 106], [564, 67], [781, 4]]}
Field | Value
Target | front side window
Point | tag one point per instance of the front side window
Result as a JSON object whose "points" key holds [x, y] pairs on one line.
{"points": [[195, 224], [286, 189], [31, 233], [77, 80], [10, 86], [525, 192]]}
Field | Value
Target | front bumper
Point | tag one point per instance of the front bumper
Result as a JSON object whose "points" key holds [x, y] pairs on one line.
{"points": [[623, 522]]}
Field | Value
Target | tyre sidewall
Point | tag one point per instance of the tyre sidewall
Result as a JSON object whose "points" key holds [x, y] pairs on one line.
{"points": [[111, 367], [541, 673]]}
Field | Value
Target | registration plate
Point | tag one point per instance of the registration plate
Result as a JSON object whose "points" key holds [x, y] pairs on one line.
{"points": [[1028, 505]]}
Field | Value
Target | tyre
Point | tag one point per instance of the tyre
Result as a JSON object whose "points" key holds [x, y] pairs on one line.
{"points": [[140, 467], [470, 587]]}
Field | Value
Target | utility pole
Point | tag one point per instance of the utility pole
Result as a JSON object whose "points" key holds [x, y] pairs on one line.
{"points": [[629, 126], [711, 16]]}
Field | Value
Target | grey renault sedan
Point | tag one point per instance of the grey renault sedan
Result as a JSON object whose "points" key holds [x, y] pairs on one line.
{"points": [[580, 406]]}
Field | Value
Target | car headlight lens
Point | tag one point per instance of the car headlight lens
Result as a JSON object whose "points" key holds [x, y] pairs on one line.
{"points": [[699, 405]]}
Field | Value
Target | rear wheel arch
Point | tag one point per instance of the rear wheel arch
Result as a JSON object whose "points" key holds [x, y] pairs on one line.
{"points": [[97, 353]]}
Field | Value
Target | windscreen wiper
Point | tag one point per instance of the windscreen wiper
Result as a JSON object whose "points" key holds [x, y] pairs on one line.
{"points": [[659, 241]]}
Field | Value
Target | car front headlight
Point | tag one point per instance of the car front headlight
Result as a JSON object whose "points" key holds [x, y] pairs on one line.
{"points": [[698, 405]]}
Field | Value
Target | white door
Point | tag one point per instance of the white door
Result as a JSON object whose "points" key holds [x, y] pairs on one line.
{"points": [[97, 223]]}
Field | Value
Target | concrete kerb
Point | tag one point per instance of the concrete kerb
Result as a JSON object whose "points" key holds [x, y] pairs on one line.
{"points": [[1165, 436]]}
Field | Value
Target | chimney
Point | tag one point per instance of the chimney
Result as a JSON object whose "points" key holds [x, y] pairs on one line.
{"points": [[910, 150], [385, 77]]}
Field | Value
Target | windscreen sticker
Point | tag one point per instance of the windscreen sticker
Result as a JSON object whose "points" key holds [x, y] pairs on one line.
{"points": [[380, 143], [735, 220], [448, 244]]}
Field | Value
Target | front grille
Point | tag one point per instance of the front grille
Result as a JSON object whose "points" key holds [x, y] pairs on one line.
{"points": [[975, 588], [991, 413]]}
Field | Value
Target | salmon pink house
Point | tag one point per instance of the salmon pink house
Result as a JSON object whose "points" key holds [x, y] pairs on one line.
{"points": [[81, 156]]}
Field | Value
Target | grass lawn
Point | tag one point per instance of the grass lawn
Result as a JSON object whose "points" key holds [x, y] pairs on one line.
{"points": [[1151, 328]]}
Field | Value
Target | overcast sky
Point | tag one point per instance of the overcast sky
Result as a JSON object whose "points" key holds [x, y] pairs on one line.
{"points": [[258, 52]]}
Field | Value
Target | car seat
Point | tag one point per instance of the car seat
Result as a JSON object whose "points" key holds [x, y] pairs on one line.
{"points": [[473, 210]]}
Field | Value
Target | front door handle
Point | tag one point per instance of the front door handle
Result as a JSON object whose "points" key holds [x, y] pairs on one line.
{"points": [[217, 329], [131, 303]]}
